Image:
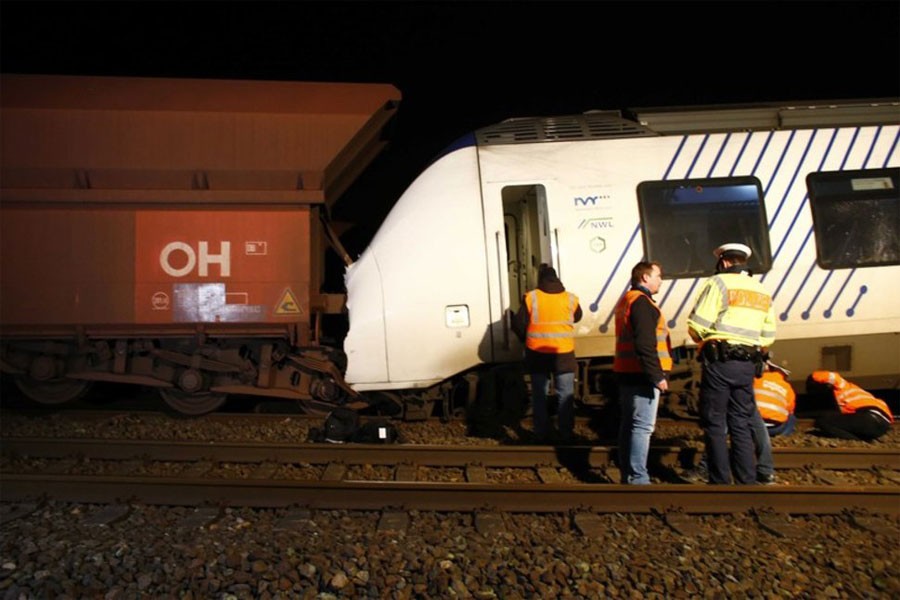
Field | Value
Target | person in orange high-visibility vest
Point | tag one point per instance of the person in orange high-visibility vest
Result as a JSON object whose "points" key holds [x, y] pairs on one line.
{"points": [[861, 415], [641, 364], [546, 323], [776, 401]]}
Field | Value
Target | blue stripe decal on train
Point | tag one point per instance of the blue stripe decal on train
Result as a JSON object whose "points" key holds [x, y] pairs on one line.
{"points": [[777, 170], [787, 234], [760, 157], [828, 312], [805, 314], [862, 292], [809, 233]]}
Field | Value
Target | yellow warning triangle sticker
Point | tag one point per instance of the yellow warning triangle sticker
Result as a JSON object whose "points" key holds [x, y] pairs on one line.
{"points": [[288, 304]]}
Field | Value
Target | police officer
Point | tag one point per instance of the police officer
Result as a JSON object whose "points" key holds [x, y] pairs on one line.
{"points": [[733, 321], [546, 322]]}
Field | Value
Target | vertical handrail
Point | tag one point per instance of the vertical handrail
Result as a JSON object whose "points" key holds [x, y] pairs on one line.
{"points": [[556, 245], [503, 301]]}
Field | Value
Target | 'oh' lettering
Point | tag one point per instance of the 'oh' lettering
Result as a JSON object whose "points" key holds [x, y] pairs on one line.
{"points": [[201, 257]]}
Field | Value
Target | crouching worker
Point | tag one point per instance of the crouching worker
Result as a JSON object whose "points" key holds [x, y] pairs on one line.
{"points": [[861, 415], [776, 400]]}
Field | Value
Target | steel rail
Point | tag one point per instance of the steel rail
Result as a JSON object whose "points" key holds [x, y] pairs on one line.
{"points": [[442, 496], [581, 456]]}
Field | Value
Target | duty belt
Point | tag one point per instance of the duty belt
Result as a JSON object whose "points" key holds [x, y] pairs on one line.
{"points": [[720, 350]]}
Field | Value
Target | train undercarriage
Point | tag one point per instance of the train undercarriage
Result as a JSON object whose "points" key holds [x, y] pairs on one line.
{"points": [[196, 375], [193, 375]]}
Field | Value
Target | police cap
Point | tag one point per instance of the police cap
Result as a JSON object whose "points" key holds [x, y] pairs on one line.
{"points": [[732, 248]]}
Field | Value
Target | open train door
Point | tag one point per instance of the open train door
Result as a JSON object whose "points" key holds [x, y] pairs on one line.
{"points": [[522, 244]]}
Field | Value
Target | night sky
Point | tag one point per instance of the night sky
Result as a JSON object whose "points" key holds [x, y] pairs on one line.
{"points": [[465, 65]]}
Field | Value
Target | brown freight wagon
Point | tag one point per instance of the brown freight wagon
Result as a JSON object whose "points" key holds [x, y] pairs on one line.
{"points": [[172, 233]]}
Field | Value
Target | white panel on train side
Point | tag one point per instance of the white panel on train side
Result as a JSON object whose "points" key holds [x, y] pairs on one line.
{"points": [[430, 258], [364, 344], [593, 210]]}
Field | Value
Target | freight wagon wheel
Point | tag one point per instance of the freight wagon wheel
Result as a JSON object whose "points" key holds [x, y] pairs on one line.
{"points": [[193, 404], [52, 391]]}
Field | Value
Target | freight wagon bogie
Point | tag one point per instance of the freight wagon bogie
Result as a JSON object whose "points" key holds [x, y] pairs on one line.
{"points": [[193, 376]]}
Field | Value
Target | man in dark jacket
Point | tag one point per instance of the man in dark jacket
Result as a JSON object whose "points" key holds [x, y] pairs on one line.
{"points": [[546, 323], [643, 358]]}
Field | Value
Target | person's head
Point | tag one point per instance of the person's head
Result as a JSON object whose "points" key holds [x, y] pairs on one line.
{"points": [[731, 254], [648, 275], [546, 273]]}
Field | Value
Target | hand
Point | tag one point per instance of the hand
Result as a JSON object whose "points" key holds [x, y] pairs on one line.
{"points": [[663, 386]]}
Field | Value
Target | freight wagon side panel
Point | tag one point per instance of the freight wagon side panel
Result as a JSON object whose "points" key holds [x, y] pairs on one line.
{"points": [[222, 266], [71, 265], [154, 267]]}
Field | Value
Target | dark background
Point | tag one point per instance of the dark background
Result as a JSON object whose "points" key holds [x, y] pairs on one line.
{"points": [[465, 65]]}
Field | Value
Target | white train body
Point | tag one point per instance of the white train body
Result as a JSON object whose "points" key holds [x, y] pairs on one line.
{"points": [[593, 194]]}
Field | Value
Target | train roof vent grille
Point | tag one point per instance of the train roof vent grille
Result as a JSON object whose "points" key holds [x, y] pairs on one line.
{"points": [[590, 125]]}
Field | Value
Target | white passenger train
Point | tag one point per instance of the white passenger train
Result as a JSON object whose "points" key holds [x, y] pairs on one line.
{"points": [[811, 188]]}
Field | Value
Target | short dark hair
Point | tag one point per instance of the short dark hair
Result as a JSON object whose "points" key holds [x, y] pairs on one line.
{"points": [[735, 256], [643, 268]]}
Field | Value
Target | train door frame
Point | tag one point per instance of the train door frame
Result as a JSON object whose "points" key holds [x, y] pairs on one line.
{"points": [[525, 216]]}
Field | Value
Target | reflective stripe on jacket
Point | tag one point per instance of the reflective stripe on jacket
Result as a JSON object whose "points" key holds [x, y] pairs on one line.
{"points": [[775, 397], [626, 359], [735, 308], [551, 322], [849, 396]]}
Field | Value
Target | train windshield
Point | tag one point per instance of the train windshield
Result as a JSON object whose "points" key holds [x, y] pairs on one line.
{"points": [[856, 217], [683, 221]]}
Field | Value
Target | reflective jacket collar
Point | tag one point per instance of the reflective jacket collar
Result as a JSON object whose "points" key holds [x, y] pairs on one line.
{"points": [[742, 269]]}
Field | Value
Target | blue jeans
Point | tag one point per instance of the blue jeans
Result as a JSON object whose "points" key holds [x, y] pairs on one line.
{"points": [[786, 428], [765, 464], [565, 390], [639, 403]]}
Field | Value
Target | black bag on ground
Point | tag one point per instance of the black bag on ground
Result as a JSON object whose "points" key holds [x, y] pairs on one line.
{"points": [[376, 432], [341, 425]]}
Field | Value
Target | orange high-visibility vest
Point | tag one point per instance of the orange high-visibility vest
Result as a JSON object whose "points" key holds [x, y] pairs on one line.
{"points": [[626, 361], [551, 326], [775, 397], [849, 396]]}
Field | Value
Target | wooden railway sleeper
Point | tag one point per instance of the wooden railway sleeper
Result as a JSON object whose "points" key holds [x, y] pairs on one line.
{"points": [[776, 523], [886, 473], [489, 521], [676, 518]]}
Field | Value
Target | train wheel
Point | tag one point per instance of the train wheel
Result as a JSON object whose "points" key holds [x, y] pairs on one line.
{"points": [[52, 391], [195, 404]]}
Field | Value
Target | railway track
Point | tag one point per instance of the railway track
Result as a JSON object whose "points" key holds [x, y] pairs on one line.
{"points": [[408, 477]]}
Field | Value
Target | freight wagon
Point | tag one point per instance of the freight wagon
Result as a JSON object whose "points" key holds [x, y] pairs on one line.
{"points": [[172, 233]]}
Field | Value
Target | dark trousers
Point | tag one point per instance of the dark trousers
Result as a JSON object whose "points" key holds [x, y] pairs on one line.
{"points": [[862, 425], [726, 409]]}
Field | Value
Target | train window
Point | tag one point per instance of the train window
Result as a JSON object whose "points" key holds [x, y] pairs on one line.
{"points": [[856, 217], [683, 221]]}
